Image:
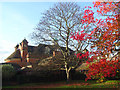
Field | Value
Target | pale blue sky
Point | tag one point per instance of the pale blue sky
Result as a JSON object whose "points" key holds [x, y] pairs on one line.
{"points": [[17, 21]]}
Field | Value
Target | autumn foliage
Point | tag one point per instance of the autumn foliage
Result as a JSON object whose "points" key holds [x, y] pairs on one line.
{"points": [[102, 69], [105, 38], [107, 27]]}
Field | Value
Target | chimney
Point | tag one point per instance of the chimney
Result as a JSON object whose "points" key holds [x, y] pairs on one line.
{"points": [[16, 47], [53, 53]]}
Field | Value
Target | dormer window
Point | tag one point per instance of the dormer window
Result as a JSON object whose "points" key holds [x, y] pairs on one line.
{"points": [[25, 45], [47, 50], [57, 49]]}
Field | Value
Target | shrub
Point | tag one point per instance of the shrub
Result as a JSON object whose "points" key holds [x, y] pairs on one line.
{"points": [[102, 69], [8, 71]]}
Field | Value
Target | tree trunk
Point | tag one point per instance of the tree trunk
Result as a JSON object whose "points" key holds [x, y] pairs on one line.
{"points": [[68, 77], [67, 72]]}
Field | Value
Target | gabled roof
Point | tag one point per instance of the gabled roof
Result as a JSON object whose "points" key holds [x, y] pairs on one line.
{"points": [[15, 54], [36, 51], [31, 48], [25, 41]]}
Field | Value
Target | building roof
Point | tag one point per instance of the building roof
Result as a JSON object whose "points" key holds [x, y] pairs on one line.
{"points": [[36, 51], [31, 48], [25, 41], [49, 63], [15, 54], [83, 66]]}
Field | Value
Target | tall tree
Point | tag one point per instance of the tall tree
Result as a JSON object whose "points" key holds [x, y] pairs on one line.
{"points": [[57, 25], [106, 39], [106, 29]]}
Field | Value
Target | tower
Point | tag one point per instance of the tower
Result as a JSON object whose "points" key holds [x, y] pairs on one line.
{"points": [[24, 49]]}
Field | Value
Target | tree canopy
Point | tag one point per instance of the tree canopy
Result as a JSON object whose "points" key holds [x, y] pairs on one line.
{"points": [[57, 26]]}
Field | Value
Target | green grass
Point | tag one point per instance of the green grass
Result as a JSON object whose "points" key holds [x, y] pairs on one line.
{"points": [[92, 84], [107, 84]]}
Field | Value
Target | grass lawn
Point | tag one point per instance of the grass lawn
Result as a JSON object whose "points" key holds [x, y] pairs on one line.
{"points": [[72, 84], [107, 84]]}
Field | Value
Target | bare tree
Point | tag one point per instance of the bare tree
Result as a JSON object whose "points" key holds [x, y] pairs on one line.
{"points": [[56, 26]]}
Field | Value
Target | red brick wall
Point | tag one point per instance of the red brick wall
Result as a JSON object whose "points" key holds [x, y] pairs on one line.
{"points": [[32, 60], [22, 64], [24, 50]]}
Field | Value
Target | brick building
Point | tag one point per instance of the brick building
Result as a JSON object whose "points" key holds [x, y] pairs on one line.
{"points": [[25, 54]]}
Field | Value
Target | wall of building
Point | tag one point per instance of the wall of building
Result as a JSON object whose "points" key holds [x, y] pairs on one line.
{"points": [[17, 61], [57, 53], [32, 60]]}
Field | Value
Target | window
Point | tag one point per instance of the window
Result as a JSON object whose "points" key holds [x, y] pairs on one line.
{"points": [[47, 50]]}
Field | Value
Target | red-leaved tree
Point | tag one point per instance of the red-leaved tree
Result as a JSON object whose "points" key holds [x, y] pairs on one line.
{"points": [[102, 69], [107, 30], [105, 38]]}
